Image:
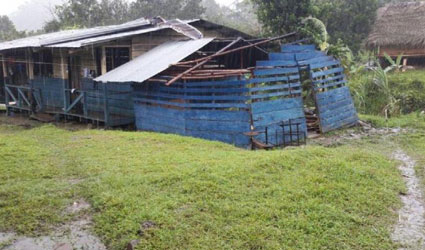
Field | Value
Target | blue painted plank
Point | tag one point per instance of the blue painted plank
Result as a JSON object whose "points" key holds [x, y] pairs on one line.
{"points": [[192, 105], [344, 123], [308, 55], [325, 64], [160, 112], [333, 95], [194, 98], [327, 72], [286, 63], [276, 105], [330, 79], [281, 57], [333, 99], [216, 83], [223, 126], [265, 119], [274, 79], [203, 90], [276, 71], [277, 94], [297, 48], [276, 87], [331, 85], [333, 107], [316, 60], [218, 115], [338, 118]]}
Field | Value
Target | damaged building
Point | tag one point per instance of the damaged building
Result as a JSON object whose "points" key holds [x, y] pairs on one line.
{"points": [[191, 77]]}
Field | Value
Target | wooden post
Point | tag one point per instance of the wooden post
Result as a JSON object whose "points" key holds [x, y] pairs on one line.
{"points": [[30, 62], [7, 100], [103, 61], [404, 64], [4, 66], [63, 66], [106, 104], [85, 104]]}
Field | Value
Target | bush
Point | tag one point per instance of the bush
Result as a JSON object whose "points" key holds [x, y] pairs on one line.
{"points": [[408, 88]]}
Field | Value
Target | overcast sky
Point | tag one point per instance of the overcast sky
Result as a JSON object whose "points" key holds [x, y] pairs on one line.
{"points": [[7, 6]]}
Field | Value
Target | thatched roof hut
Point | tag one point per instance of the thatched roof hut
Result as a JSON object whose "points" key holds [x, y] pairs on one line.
{"points": [[399, 29]]}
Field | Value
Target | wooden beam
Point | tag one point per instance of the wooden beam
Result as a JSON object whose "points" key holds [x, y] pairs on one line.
{"points": [[202, 63], [238, 49]]}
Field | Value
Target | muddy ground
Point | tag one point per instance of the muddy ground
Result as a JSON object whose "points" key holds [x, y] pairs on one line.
{"points": [[73, 235]]}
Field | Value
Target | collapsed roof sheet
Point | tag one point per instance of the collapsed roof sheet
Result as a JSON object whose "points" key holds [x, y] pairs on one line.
{"points": [[154, 62]]}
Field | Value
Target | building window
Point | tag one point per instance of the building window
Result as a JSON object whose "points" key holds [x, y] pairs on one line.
{"points": [[43, 63], [116, 57]]}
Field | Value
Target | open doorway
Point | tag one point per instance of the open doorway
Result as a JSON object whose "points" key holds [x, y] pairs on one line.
{"points": [[74, 72], [310, 106]]}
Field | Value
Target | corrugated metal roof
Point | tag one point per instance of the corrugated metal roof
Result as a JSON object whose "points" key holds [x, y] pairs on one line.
{"points": [[106, 38], [154, 62], [84, 37]]}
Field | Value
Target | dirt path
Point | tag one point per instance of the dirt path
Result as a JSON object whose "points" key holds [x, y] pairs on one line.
{"points": [[409, 231], [74, 235]]}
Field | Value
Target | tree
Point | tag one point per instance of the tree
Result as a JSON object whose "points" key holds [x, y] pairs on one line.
{"points": [[241, 16], [8, 30], [88, 13], [282, 16], [348, 20], [169, 9]]}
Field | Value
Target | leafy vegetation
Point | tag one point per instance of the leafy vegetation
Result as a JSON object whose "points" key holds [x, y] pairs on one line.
{"points": [[89, 13], [8, 30], [199, 194], [397, 92]]}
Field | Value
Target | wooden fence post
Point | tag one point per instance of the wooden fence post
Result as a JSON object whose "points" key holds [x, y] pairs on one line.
{"points": [[7, 100], [106, 104]]}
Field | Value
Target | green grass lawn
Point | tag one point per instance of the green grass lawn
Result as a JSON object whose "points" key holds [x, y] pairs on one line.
{"points": [[200, 194]]}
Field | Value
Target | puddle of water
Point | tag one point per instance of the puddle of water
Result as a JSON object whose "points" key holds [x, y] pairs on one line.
{"points": [[409, 231], [74, 235]]}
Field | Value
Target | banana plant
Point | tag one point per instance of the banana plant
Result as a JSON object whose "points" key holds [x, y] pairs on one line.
{"points": [[380, 79], [394, 65]]}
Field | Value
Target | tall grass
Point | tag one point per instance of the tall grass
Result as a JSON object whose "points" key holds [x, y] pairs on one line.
{"points": [[386, 91]]}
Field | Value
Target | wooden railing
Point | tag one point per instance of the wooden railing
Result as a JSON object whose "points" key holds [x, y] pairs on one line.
{"points": [[22, 98]]}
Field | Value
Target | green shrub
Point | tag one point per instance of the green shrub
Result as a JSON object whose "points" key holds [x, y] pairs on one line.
{"points": [[408, 88]]}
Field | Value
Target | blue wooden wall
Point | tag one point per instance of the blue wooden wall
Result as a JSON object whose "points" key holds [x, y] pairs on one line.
{"points": [[119, 97], [54, 95], [51, 91], [276, 95], [333, 98], [209, 110], [225, 110]]}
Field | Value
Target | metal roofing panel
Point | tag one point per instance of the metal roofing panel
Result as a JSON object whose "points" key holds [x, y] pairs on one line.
{"points": [[154, 62], [106, 38], [73, 35]]}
